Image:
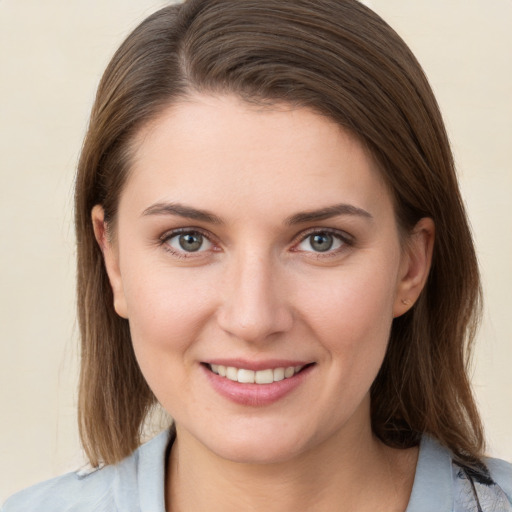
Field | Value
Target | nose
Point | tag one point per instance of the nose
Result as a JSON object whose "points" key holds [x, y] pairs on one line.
{"points": [[254, 306]]}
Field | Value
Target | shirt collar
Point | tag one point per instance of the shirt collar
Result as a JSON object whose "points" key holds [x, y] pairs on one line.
{"points": [[432, 488]]}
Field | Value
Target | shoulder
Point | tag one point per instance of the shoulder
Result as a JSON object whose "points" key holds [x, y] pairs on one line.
{"points": [[501, 474], [488, 487], [442, 484], [75, 492], [109, 488]]}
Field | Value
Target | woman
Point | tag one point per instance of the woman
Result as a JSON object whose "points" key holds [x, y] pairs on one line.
{"points": [[272, 245]]}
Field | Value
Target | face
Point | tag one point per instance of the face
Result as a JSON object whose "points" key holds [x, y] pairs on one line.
{"points": [[257, 258]]}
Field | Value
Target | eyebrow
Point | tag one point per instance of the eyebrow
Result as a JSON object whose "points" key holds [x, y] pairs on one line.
{"points": [[182, 211], [188, 212], [327, 213]]}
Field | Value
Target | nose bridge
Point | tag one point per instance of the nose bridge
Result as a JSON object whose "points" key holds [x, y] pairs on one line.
{"points": [[254, 306]]}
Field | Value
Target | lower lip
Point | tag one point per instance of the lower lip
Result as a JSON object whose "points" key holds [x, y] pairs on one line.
{"points": [[255, 395]]}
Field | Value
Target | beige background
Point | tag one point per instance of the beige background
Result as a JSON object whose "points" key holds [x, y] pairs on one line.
{"points": [[52, 53]]}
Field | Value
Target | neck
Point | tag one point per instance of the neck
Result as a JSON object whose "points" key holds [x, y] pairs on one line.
{"points": [[355, 470]]}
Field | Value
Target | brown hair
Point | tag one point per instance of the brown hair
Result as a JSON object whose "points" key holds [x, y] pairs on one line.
{"points": [[340, 59]]}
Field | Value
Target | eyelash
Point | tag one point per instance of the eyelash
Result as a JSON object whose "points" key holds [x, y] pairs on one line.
{"points": [[169, 235], [345, 239]]}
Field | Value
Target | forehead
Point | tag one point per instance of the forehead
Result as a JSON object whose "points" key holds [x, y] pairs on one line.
{"points": [[221, 150]]}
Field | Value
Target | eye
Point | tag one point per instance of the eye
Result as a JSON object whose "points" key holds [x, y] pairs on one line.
{"points": [[188, 241], [322, 242]]}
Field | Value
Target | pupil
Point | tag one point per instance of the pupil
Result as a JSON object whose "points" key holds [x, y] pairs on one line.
{"points": [[191, 241], [322, 242]]}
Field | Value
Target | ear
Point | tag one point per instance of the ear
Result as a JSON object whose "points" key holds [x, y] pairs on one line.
{"points": [[111, 258], [415, 265]]}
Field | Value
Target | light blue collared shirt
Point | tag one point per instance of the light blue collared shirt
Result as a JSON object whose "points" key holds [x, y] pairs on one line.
{"points": [[137, 485]]}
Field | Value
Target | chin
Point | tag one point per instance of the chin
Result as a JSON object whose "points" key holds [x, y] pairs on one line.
{"points": [[257, 453], [256, 445]]}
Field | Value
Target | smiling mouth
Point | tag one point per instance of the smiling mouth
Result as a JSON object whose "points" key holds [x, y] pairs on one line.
{"points": [[245, 376]]}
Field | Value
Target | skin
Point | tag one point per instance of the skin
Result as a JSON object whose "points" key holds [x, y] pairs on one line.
{"points": [[257, 289]]}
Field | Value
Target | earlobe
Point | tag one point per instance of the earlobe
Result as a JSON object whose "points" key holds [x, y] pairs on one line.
{"points": [[415, 266], [111, 259]]}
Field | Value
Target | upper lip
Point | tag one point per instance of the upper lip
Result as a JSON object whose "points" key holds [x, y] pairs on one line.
{"points": [[257, 365]]}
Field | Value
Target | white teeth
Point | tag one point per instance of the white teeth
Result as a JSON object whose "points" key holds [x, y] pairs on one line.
{"points": [[278, 374], [246, 376], [288, 372], [264, 377], [250, 376], [232, 373]]}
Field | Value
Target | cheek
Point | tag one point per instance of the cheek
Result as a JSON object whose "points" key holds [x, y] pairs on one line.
{"points": [[166, 308], [351, 302], [352, 318]]}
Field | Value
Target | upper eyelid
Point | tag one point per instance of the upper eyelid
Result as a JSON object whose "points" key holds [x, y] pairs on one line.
{"points": [[179, 231], [311, 231]]}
